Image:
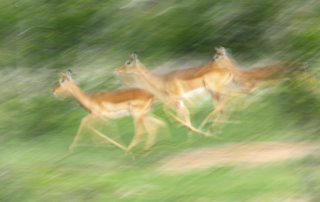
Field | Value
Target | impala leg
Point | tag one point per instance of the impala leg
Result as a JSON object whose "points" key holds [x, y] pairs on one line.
{"points": [[185, 113], [217, 110], [215, 97], [107, 138], [223, 116], [152, 124], [208, 118], [151, 130], [138, 133], [220, 109], [83, 122], [215, 93]]}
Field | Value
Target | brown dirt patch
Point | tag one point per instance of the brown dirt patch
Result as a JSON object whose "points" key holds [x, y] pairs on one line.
{"points": [[249, 154]]}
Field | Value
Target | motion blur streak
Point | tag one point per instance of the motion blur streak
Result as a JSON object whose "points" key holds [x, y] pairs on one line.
{"points": [[267, 148]]}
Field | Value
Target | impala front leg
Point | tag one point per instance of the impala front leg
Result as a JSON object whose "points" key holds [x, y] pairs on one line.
{"points": [[138, 133], [83, 122], [212, 114], [108, 139], [152, 125], [185, 113]]}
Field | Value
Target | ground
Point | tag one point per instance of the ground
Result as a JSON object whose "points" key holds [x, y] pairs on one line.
{"points": [[246, 155]]}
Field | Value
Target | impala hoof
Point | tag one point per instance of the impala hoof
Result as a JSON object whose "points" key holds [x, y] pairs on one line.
{"points": [[207, 134], [128, 152], [215, 134], [71, 148]]}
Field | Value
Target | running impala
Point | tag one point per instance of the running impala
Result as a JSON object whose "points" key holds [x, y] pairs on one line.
{"points": [[179, 85], [105, 104]]}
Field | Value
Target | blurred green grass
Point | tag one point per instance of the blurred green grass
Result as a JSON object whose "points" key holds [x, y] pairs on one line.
{"points": [[37, 130], [94, 37]]}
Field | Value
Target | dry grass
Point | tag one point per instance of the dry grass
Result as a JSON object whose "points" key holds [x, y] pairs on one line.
{"points": [[248, 154]]}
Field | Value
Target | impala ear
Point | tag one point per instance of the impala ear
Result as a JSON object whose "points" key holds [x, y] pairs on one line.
{"points": [[69, 73], [62, 75], [59, 73], [134, 57], [223, 50], [218, 51]]}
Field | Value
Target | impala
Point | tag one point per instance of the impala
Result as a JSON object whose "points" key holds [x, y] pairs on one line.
{"points": [[250, 78], [104, 104], [179, 85]]}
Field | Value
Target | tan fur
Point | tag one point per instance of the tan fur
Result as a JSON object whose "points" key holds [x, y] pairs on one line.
{"points": [[213, 76], [250, 78], [105, 104]]}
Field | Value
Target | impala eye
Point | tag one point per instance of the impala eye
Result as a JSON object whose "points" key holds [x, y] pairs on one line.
{"points": [[128, 63], [216, 57]]}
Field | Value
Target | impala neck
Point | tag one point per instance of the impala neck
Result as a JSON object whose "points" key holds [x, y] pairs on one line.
{"points": [[156, 81], [233, 66], [81, 97]]}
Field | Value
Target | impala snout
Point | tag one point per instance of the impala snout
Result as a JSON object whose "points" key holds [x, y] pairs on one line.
{"points": [[52, 91], [119, 70], [116, 73]]}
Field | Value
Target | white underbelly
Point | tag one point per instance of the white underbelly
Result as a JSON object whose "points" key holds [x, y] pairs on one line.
{"points": [[195, 93], [117, 114]]}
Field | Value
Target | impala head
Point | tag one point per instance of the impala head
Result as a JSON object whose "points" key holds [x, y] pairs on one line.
{"points": [[130, 66], [223, 59], [61, 89]]}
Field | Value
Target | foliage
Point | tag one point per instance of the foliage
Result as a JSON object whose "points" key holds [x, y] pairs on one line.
{"points": [[94, 37], [54, 33]]}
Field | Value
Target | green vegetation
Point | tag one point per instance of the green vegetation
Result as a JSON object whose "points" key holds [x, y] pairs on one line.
{"points": [[94, 37]]}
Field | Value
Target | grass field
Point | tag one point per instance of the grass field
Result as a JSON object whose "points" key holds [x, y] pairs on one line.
{"points": [[37, 129]]}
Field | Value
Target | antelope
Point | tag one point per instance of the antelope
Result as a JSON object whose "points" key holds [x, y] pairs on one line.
{"points": [[249, 79], [107, 105], [179, 85]]}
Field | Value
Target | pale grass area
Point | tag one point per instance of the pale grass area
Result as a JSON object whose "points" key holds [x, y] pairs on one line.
{"points": [[31, 83], [284, 199], [243, 155]]}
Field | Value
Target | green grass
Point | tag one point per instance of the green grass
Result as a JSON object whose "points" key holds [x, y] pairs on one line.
{"points": [[92, 38], [37, 129], [48, 172]]}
